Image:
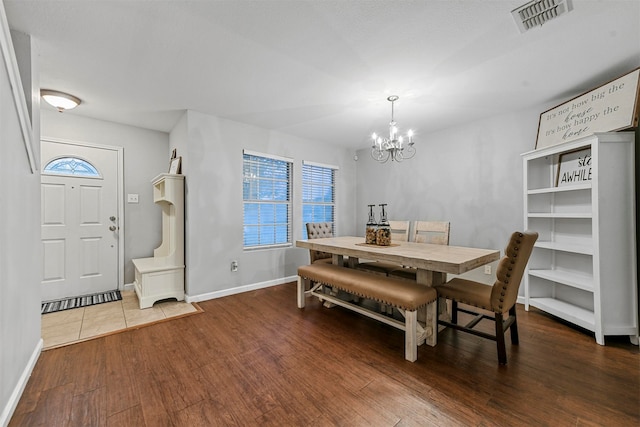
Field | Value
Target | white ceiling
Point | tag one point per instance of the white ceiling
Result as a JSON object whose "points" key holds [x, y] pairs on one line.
{"points": [[322, 69]]}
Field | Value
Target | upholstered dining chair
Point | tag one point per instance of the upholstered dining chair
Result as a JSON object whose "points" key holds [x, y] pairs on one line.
{"points": [[399, 233], [317, 230], [499, 298], [434, 232]]}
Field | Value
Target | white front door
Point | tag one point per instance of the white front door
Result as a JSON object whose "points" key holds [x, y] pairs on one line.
{"points": [[79, 220]]}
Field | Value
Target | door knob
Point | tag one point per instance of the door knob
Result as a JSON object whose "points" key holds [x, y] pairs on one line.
{"points": [[112, 228], [112, 218]]}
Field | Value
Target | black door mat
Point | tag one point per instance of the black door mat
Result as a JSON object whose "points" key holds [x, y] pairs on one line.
{"points": [[81, 301]]}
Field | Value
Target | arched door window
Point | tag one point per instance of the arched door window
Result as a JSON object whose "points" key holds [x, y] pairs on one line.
{"points": [[71, 166]]}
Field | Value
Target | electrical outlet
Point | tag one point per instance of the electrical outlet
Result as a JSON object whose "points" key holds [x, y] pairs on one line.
{"points": [[234, 265], [132, 198], [487, 269]]}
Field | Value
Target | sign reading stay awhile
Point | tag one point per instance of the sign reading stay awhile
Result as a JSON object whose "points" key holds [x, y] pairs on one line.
{"points": [[610, 107], [574, 168]]}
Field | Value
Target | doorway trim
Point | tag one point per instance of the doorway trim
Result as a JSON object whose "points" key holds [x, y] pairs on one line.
{"points": [[120, 193]]}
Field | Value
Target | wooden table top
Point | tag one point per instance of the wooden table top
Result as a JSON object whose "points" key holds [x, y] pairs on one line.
{"points": [[441, 258]]}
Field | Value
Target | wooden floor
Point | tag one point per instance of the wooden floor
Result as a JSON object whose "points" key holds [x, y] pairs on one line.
{"points": [[255, 359]]}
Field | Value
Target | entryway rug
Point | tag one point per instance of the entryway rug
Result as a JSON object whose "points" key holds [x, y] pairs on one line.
{"points": [[81, 301]]}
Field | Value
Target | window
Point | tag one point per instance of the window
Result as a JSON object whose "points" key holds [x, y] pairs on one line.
{"points": [[318, 194], [266, 195], [71, 166]]}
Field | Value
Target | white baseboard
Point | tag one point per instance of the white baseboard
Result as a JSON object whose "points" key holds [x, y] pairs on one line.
{"points": [[11, 405], [128, 287], [239, 289]]}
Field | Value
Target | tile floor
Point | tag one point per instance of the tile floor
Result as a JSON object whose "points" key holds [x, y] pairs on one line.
{"points": [[80, 324]]}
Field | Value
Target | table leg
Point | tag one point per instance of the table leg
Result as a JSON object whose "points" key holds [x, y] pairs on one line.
{"points": [[430, 278], [433, 278]]}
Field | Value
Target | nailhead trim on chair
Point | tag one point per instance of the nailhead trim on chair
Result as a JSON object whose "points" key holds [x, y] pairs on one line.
{"points": [[506, 284], [516, 250]]}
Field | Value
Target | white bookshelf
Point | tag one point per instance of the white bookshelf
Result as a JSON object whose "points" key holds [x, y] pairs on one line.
{"points": [[583, 266]]}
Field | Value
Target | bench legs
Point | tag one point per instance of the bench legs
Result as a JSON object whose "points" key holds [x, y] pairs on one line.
{"points": [[431, 323], [413, 333], [301, 294], [410, 339]]}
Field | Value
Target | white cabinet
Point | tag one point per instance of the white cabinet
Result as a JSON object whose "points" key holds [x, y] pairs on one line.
{"points": [[583, 266], [162, 276]]}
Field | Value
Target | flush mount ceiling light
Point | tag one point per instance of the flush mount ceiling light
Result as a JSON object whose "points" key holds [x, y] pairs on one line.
{"points": [[537, 12], [384, 148], [62, 101]]}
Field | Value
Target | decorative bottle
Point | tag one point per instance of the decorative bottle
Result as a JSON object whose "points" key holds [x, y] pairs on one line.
{"points": [[383, 235], [372, 227]]}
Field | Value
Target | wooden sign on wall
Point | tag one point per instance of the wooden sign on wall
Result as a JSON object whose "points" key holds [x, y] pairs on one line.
{"points": [[610, 107]]}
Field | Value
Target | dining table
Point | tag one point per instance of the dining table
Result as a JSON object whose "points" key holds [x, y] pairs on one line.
{"points": [[431, 261]]}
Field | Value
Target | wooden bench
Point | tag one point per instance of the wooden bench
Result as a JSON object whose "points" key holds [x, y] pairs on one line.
{"points": [[408, 297]]}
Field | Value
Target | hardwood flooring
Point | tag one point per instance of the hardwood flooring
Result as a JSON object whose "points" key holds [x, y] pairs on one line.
{"points": [[256, 359]]}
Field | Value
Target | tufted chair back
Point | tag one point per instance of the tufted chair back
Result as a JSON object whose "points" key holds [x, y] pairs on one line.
{"points": [[511, 269], [318, 230], [499, 298]]}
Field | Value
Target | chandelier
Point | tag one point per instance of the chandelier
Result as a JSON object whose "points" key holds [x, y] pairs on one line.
{"points": [[392, 147]]}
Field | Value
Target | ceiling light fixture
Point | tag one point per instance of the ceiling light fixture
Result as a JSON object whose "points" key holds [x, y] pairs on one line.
{"points": [[384, 149], [62, 101]]}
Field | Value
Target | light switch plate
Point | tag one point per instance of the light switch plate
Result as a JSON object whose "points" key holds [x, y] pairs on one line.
{"points": [[132, 198]]}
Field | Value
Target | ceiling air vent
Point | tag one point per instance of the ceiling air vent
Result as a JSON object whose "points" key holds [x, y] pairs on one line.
{"points": [[537, 12]]}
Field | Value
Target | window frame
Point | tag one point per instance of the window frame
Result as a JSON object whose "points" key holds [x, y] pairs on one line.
{"points": [[307, 202], [273, 204]]}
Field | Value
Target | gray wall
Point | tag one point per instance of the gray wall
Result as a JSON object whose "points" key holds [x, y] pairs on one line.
{"points": [[19, 254], [470, 175], [146, 155], [212, 155]]}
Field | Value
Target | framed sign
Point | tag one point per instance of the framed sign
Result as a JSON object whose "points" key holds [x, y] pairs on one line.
{"points": [[574, 168], [610, 107], [174, 166]]}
